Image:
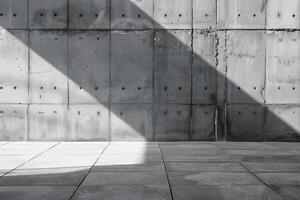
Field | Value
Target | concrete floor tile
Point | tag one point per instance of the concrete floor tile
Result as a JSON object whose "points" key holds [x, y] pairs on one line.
{"points": [[126, 178], [58, 176], [132, 144], [124, 192], [284, 145], [280, 178], [51, 161], [261, 152], [75, 151], [9, 162], [267, 158], [193, 152], [2, 172], [243, 145], [248, 192], [81, 145], [36, 192], [271, 167], [3, 143], [212, 178], [120, 150], [204, 167], [130, 159], [78, 148], [148, 166], [188, 146], [29, 144], [288, 192], [200, 158], [24, 149]]}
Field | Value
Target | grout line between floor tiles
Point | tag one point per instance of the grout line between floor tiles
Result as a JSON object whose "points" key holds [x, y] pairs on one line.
{"points": [[31, 159], [71, 197], [170, 188], [269, 186]]}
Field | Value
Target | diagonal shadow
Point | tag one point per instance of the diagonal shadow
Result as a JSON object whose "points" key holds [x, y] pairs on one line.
{"points": [[177, 80], [145, 71]]}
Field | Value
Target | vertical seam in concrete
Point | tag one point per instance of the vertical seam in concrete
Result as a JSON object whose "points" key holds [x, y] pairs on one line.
{"points": [[170, 188], [153, 72], [28, 77], [68, 71], [226, 83], [78, 186], [68, 58], [265, 86], [109, 71], [191, 69], [216, 103], [216, 50], [266, 184]]}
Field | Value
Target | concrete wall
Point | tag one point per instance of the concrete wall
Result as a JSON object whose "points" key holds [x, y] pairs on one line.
{"points": [[150, 70]]}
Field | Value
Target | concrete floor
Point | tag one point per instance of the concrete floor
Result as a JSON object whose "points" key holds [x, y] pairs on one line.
{"points": [[137, 170]]}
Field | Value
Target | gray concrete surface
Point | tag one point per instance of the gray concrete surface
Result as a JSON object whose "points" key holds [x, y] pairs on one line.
{"points": [[149, 70], [149, 170]]}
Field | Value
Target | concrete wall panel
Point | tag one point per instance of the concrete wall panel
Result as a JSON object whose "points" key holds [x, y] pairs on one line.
{"points": [[13, 66], [172, 66], [245, 66], [173, 14], [132, 14], [48, 14], [88, 122], [89, 14], [204, 14], [245, 122], [204, 68], [203, 123], [132, 66], [47, 122], [131, 122], [13, 14], [241, 14], [283, 14], [89, 66], [171, 122], [283, 123], [283, 61], [13, 122], [48, 67]]}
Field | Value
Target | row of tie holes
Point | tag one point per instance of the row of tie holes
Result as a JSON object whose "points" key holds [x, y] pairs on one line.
{"points": [[254, 112], [239, 88], [123, 15], [121, 113], [139, 88]]}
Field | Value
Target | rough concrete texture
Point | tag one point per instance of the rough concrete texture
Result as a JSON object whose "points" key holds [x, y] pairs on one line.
{"points": [[150, 70], [145, 170]]}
